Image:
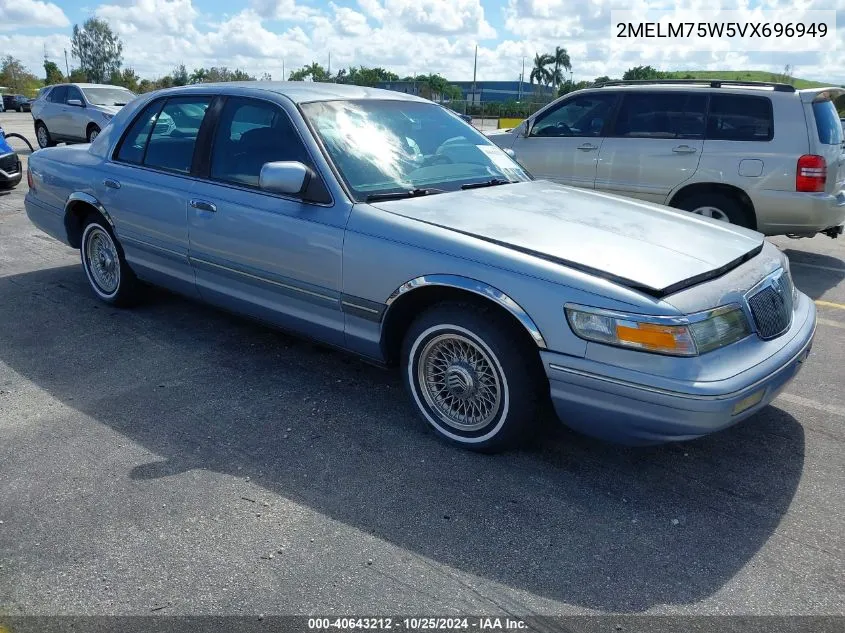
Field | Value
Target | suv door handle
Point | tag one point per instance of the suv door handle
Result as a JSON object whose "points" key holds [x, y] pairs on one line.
{"points": [[202, 205], [587, 147], [111, 184], [684, 149]]}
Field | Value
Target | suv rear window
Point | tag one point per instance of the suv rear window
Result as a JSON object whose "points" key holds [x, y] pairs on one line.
{"points": [[828, 124], [740, 118]]}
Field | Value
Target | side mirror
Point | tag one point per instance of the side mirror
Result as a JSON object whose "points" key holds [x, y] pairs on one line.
{"points": [[526, 127], [75, 102], [287, 177]]}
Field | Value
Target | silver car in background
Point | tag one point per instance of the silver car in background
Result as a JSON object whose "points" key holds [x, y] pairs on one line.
{"points": [[75, 113], [760, 155]]}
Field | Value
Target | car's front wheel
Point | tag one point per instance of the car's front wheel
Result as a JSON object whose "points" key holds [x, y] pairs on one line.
{"points": [[471, 377], [43, 136], [105, 266]]}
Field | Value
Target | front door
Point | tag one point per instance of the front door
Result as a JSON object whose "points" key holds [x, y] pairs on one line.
{"points": [[654, 146], [274, 257], [147, 187], [563, 143]]}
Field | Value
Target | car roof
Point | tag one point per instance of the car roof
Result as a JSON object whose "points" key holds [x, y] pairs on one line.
{"points": [[300, 91]]}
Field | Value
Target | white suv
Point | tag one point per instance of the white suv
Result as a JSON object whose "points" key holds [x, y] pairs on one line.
{"points": [[762, 155]]}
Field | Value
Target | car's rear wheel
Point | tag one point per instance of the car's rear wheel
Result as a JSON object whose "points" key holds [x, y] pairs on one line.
{"points": [[43, 136], [470, 377], [93, 132], [105, 266], [718, 206]]}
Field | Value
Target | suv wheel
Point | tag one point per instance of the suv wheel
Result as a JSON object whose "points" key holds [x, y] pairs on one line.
{"points": [[93, 132], [43, 136], [717, 206], [470, 378]]}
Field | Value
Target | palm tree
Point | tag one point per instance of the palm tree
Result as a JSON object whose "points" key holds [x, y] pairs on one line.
{"points": [[540, 72], [560, 59]]}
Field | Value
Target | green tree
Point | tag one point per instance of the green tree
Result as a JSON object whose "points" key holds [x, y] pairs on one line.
{"points": [[145, 85], [77, 75], [52, 73], [127, 78], [561, 62], [180, 76], [99, 51], [602, 79], [540, 71], [314, 70], [643, 73], [200, 75], [15, 76]]}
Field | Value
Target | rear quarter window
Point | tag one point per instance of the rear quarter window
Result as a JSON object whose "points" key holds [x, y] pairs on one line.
{"points": [[828, 125], [740, 118]]}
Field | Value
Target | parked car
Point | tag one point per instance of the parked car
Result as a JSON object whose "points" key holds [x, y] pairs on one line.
{"points": [[376, 222], [75, 113], [18, 103], [763, 156], [10, 164]]}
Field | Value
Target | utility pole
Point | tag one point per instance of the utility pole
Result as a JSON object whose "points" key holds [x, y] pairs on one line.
{"points": [[329, 72], [474, 72], [67, 68], [521, 77], [284, 76]]}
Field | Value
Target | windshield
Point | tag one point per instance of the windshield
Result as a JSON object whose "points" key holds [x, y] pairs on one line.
{"points": [[392, 146], [108, 96]]}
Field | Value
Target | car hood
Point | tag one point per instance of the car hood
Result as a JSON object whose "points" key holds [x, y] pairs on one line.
{"points": [[108, 109], [647, 247]]}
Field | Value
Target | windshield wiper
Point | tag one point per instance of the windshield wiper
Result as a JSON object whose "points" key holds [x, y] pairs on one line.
{"points": [[396, 195], [487, 183]]}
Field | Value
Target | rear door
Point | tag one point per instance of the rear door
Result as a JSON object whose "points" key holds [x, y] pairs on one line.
{"points": [[563, 142], [53, 110], [146, 187], [654, 145]]}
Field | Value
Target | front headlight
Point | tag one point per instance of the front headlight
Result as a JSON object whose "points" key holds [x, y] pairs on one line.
{"points": [[107, 116], [676, 336]]}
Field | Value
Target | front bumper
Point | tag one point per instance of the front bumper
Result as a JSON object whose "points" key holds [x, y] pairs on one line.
{"points": [[635, 412], [10, 176]]}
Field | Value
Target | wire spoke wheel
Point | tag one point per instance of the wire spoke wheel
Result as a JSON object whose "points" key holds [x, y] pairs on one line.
{"points": [[102, 260], [458, 381]]}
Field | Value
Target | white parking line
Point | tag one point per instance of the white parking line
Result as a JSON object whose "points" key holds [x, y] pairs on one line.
{"points": [[812, 404]]}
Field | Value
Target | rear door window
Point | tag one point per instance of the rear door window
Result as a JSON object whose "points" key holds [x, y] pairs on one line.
{"points": [[828, 125], [174, 136], [740, 118], [57, 94], [661, 115], [135, 140]]}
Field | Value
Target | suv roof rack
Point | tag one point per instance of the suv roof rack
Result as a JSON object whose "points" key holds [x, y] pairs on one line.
{"points": [[713, 83]]}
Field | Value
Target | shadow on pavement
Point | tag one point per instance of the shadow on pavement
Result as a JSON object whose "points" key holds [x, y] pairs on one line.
{"points": [[814, 273], [572, 519]]}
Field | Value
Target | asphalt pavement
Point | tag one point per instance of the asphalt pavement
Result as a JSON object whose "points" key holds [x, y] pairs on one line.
{"points": [[173, 459]]}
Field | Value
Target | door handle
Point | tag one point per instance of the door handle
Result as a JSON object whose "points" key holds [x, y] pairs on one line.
{"points": [[202, 205], [111, 184], [587, 147], [684, 149]]}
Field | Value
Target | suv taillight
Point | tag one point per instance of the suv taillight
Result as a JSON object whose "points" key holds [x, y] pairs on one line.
{"points": [[811, 174], [28, 177]]}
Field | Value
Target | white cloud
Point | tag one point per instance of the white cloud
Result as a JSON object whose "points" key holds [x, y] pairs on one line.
{"points": [[18, 14], [406, 36]]}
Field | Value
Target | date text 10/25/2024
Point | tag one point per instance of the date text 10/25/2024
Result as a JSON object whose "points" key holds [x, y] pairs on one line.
{"points": [[417, 624]]}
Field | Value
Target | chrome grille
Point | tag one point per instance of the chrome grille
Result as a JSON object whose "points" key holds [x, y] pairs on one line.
{"points": [[9, 163], [771, 305]]}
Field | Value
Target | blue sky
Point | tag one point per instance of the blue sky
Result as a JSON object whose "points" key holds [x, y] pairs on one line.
{"points": [[406, 36]]}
